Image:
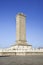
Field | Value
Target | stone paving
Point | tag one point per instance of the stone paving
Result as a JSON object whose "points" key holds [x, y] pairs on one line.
{"points": [[22, 60]]}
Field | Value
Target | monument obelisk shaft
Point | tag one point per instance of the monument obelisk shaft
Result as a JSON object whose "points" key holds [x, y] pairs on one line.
{"points": [[21, 29]]}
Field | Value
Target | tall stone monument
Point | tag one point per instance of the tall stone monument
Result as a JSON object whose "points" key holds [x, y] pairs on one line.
{"points": [[21, 29]]}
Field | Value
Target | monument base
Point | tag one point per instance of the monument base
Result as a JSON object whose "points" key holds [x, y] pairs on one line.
{"points": [[21, 42]]}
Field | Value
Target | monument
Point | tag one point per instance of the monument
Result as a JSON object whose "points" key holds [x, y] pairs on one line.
{"points": [[21, 46], [21, 29]]}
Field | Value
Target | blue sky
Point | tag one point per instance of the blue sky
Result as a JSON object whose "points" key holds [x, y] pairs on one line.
{"points": [[33, 9]]}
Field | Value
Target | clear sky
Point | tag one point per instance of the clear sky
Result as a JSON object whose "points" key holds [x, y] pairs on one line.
{"points": [[33, 9]]}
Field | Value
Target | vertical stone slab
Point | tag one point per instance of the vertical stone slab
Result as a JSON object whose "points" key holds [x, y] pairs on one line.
{"points": [[21, 28]]}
